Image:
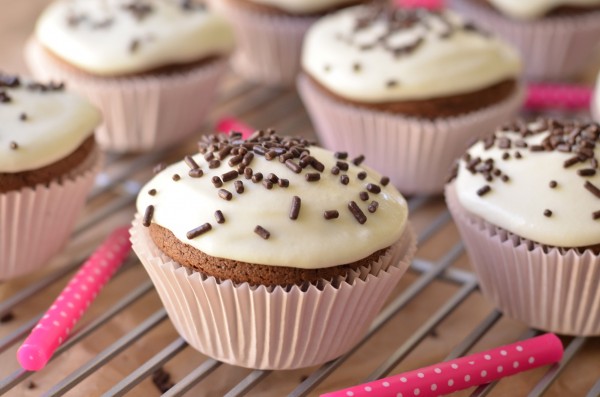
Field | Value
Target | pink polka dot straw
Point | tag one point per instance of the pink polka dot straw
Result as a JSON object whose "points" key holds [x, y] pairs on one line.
{"points": [[465, 372], [54, 327], [431, 4], [543, 96], [227, 124]]}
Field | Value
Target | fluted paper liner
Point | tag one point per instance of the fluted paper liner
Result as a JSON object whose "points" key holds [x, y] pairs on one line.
{"points": [[553, 48], [139, 112], [269, 46], [551, 289], [36, 222], [272, 328], [416, 154]]}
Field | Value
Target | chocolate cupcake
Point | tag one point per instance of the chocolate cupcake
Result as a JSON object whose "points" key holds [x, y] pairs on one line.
{"points": [[554, 37], [291, 247], [269, 34], [48, 160], [526, 201], [151, 66], [407, 87]]}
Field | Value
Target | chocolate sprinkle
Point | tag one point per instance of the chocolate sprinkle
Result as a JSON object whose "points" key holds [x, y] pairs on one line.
{"points": [[358, 161], [148, 214], [592, 188], [586, 172], [23, 117], [13, 145], [312, 176], [295, 208], [176, 177], [283, 183], [342, 165], [331, 214], [344, 179], [216, 181], [267, 184], [364, 196], [547, 213], [248, 173], [292, 165], [257, 177], [239, 187], [214, 164], [373, 207], [340, 155], [362, 175], [335, 170], [192, 234], [219, 216], [195, 173], [596, 215], [357, 212], [262, 232], [384, 181], [552, 184], [225, 194], [229, 176], [371, 187], [152, 192], [191, 162], [484, 190]]}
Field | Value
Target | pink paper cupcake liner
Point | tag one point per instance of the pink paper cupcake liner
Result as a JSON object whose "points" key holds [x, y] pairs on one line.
{"points": [[140, 112], [416, 154], [272, 328], [554, 48], [36, 222], [268, 46], [551, 289]]}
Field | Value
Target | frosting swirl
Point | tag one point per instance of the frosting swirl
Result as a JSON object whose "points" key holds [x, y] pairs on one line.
{"points": [[531, 9], [117, 37], [538, 180], [312, 212], [40, 124], [376, 55]]}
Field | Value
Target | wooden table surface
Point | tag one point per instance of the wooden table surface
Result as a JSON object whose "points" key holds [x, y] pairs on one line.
{"points": [[282, 110]]}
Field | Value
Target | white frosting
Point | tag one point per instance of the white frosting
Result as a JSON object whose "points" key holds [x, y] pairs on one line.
{"points": [[465, 61], [519, 204], [530, 9], [311, 241], [302, 6], [57, 123], [165, 36]]}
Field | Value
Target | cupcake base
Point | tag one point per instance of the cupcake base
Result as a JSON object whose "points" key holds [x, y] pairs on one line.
{"points": [[554, 47], [140, 112], [269, 45], [416, 154], [275, 327], [35, 222], [551, 289]]}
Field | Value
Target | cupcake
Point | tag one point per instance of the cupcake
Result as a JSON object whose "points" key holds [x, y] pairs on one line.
{"points": [[554, 37], [408, 88], [151, 66], [526, 201], [595, 102], [270, 252], [48, 160], [269, 34]]}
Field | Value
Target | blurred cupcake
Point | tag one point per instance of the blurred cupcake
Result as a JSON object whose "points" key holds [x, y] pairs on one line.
{"points": [[555, 37], [48, 160], [408, 88], [526, 201], [595, 109], [269, 34], [271, 253], [151, 66]]}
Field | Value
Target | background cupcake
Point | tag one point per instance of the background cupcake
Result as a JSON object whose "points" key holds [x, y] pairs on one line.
{"points": [[408, 88], [526, 201], [554, 37], [271, 252], [151, 66], [48, 160], [269, 34]]}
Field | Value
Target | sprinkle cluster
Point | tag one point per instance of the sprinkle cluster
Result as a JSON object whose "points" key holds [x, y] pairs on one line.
{"points": [[399, 20], [139, 10], [8, 82], [578, 140], [237, 155]]}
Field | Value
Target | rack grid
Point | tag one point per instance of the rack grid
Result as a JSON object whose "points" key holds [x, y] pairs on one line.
{"points": [[436, 312]]}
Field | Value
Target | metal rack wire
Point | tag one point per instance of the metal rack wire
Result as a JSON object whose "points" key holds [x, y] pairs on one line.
{"points": [[115, 192]]}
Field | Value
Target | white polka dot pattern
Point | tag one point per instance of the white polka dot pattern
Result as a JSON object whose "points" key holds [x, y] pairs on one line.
{"points": [[55, 325], [462, 373]]}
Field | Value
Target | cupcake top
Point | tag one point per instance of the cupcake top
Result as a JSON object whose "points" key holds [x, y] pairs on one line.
{"points": [[539, 180], [378, 54], [118, 37], [302, 6], [294, 204], [40, 123], [531, 9]]}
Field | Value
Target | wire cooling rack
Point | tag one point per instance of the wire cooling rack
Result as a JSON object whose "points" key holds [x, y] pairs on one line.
{"points": [[125, 344]]}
